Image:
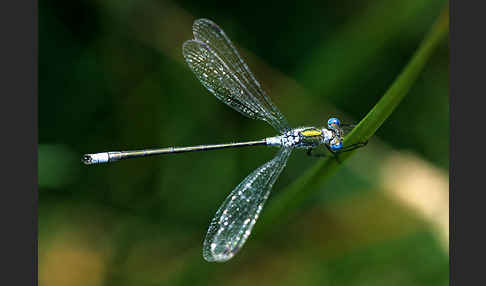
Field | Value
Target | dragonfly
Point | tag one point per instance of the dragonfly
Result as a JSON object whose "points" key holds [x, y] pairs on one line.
{"points": [[217, 64]]}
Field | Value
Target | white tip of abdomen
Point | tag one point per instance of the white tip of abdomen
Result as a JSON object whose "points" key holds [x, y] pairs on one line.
{"points": [[90, 159]]}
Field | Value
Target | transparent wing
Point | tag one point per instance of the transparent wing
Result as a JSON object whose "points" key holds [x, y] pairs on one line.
{"points": [[236, 217], [208, 32], [219, 67]]}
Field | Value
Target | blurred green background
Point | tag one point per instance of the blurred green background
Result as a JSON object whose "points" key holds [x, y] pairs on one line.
{"points": [[112, 77]]}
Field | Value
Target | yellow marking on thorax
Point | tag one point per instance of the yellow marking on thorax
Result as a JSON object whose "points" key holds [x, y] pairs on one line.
{"points": [[311, 132]]}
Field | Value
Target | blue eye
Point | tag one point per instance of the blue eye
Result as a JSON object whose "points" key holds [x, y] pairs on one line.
{"points": [[336, 146], [333, 121]]}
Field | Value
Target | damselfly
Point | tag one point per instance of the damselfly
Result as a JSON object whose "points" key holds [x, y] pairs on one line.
{"points": [[219, 67]]}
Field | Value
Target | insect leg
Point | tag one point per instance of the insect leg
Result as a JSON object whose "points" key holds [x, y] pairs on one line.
{"points": [[354, 146], [309, 153]]}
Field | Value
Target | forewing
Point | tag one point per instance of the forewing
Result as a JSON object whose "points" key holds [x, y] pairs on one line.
{"points": [[218, 79], [249, 91], [236, 217]]}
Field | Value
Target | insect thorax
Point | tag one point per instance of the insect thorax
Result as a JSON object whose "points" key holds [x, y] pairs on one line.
{"points": [[303, 137]]}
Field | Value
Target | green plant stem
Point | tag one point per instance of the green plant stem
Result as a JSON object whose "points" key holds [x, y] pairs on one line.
{"points": [[293, 196]]}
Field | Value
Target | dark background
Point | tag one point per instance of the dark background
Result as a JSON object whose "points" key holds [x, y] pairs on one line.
{"points": [[112, 77]]}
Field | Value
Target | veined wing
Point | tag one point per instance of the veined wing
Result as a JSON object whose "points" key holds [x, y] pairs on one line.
{"points": [[219, 67], [236, 217], [208, 32]]}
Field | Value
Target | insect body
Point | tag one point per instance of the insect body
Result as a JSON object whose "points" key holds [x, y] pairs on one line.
{"points": [[219, 67]]}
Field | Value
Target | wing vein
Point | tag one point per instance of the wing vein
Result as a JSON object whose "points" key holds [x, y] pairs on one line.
{"points": [[241, 86], [235, 218]]}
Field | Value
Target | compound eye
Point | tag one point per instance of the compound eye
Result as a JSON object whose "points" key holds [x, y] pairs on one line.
{"points": [[336, 145], [333, 122]]}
